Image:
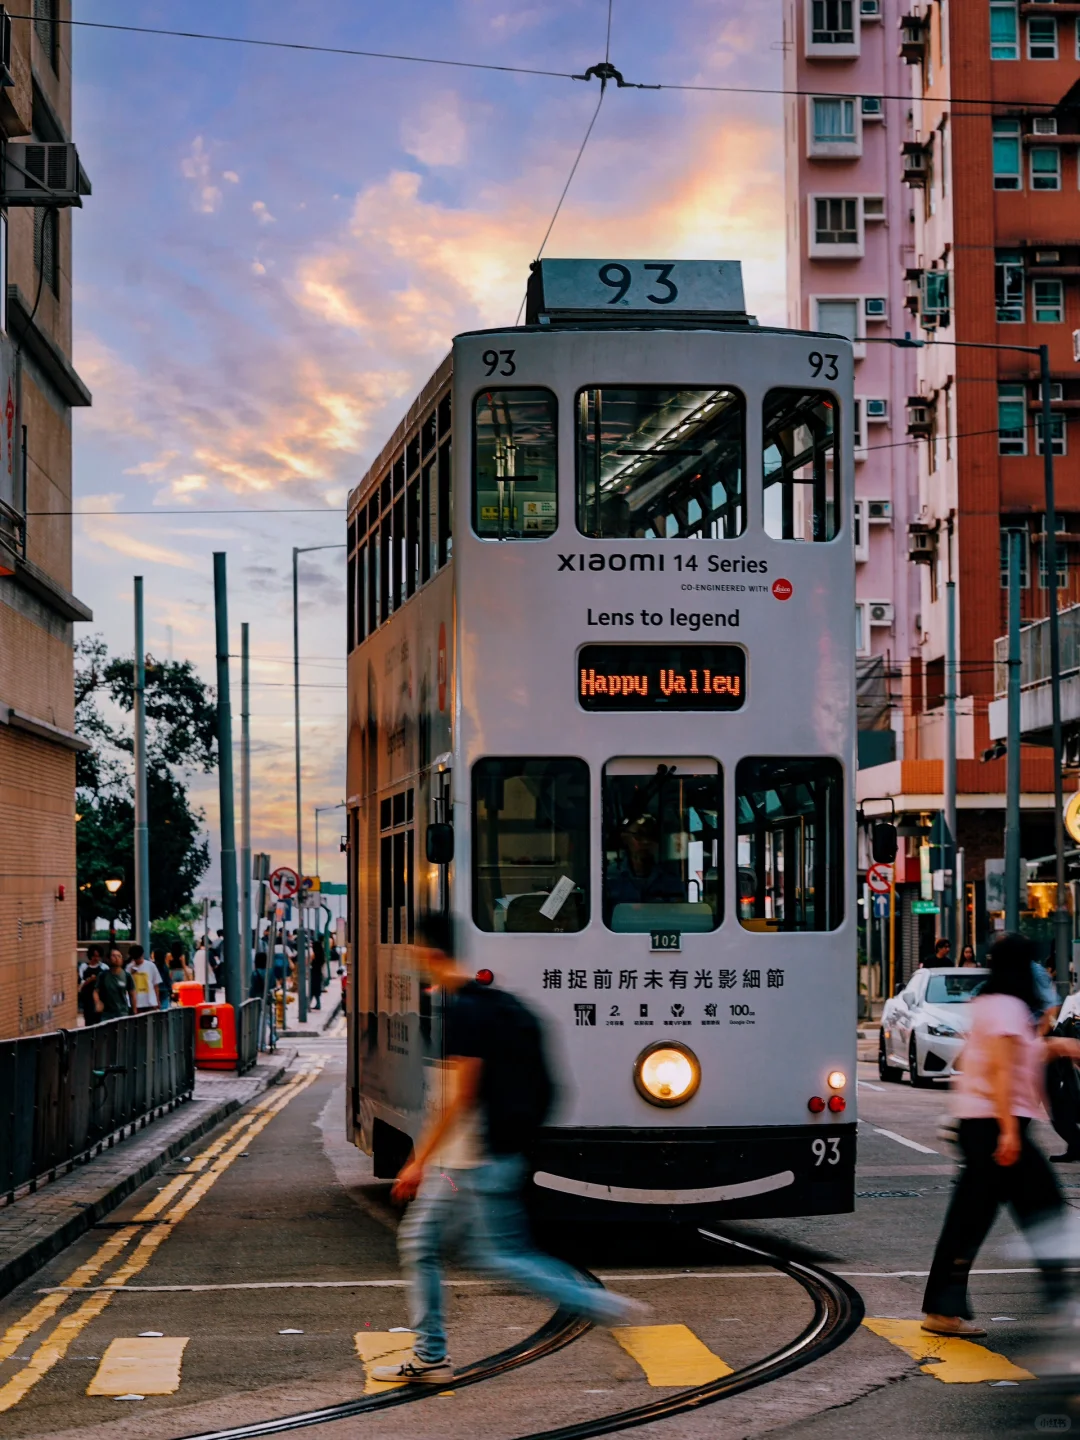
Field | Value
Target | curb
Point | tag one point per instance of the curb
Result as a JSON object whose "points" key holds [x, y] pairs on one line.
{"points": [[20, 1267], [310, 1034]]}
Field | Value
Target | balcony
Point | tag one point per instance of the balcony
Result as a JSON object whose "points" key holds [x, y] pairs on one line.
{"points": [[920, 416], [1035, 716], [914, 163], [914, 38]]}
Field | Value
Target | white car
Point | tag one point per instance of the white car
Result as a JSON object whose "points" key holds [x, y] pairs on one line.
{"points": [[923, 1029]]}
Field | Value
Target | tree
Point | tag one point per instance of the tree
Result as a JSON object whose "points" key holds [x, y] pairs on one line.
{"points": [[180, 735]]}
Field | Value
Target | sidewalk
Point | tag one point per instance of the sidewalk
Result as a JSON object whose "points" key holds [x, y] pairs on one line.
{"points": [[318, 1020], [38, 1226]]}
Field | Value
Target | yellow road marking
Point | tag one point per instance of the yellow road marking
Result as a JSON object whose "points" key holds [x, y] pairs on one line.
{"points": [[947, 1357], [381, 1347], [671, 1354], [141, 1365], [55, 1346]]}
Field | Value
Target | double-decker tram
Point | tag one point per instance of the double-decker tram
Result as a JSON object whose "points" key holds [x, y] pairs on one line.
{"points": [[601, 708]]}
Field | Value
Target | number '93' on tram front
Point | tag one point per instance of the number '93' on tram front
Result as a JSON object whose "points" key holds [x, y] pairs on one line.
{"points": [[601, 710]]}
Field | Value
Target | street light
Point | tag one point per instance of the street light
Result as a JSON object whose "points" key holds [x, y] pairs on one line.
{"points": [[113, 885], [323, 810], [301, 968], [1062, 928]]}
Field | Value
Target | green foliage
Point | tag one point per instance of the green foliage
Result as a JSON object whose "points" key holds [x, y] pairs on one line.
{"points": [[180, 736], [177, 931]]}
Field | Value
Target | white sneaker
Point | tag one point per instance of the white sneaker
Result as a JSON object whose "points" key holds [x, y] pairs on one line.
{"points": [[415, 1372]]}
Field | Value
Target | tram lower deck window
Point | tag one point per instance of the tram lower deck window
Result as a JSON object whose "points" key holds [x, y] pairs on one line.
{"points": [[662, 850], [656, 464], [515, 469], [800, 430], [530, 845], [789, 817]]}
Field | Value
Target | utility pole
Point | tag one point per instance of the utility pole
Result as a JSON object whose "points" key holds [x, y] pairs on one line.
{"points": [[1012, 741], [949, 849], [245, 815], [229, 898], [1062, 923], [142, 833]]}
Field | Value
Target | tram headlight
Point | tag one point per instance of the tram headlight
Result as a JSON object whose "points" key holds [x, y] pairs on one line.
{"points": [[837, 1079], [667, 1074]]}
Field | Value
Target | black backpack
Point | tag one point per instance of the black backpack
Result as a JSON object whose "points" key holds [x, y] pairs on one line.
{"points": [[517, 1090]]}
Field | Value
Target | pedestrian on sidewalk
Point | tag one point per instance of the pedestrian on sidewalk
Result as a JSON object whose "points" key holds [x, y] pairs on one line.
{"points": [[940, 959], [161, 964], [147, 978], [115, 990], [92, 971], [257, 984], [318, 969], [468, 1170], [995, 1097], [200, 965]]}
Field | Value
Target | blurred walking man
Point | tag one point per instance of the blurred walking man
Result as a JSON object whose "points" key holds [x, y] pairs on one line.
{"points": [[468, 1170]]}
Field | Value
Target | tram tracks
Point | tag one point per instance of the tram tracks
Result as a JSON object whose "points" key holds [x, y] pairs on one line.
{"points": [[837, 1313]]}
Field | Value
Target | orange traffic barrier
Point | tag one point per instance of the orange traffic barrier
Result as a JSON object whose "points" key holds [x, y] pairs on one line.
{"points": [[189, 992], [215, 1037]]}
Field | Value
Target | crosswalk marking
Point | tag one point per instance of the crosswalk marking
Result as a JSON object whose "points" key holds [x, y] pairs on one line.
{"points": [[671, 1355], [382, 1347], [140, 1364], [947, 1357]]}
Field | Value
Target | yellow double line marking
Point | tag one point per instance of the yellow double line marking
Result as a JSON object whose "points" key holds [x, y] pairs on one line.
{"points": [[196, 1180]]}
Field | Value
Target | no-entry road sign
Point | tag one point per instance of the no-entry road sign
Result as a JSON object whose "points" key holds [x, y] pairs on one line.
{"points": [[284, 882], [879, 878]]}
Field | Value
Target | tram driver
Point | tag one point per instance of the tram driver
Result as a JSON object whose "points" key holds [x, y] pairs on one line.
{"points": [[639, 875]]}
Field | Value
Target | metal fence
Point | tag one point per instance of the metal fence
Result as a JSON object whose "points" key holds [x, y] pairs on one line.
{"points": [[247, 1035], [1035, 650], [65, 1092]]}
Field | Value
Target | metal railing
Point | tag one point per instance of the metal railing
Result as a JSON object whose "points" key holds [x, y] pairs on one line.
{"points": [[1035, 650], [247, 1035], [63, 1093]]}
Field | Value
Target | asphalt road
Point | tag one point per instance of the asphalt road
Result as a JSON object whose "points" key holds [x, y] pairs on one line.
{"points": [[246, 1283]]}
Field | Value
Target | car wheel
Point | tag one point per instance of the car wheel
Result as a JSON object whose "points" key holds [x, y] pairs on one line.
{"points": [[886, 1072], [921, 1082]]}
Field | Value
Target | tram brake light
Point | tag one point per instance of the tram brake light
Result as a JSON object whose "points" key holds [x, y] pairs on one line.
{"points": [[837, 1103], [484, 977], [837, 1079], [667, 1074], [815, 1105]]}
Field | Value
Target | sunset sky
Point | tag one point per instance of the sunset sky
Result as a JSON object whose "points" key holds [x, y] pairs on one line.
{"points": [[280, 246]]}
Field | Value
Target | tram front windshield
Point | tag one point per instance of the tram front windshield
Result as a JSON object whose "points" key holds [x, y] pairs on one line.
{"points": [[661, 847]]}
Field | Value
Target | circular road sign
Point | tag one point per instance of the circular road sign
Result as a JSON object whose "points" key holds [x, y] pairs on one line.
{"points": [[879, 878], [1072, 816], [284, 882]]}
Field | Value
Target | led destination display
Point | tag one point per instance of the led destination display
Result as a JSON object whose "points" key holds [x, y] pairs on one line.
{"points": [[661, 677]]}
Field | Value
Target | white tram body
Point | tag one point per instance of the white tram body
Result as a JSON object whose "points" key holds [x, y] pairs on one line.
{"points": [[601, 625]]}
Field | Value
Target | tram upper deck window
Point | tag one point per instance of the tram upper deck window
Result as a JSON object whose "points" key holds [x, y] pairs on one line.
{"points": [[656, 464], [789, 844], [515, 471], [800, 430], [662, 845], [530, 845]]}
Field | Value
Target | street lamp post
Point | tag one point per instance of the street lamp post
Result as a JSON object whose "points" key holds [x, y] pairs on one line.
{"points": [[301, 956], [1062, 926], [323, 810]]}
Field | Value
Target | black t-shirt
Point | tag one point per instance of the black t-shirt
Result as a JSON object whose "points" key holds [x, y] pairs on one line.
{"points": [[87, 988]]}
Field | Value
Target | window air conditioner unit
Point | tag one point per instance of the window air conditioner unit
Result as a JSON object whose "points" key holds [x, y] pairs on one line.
{"points": [[913, 38], [1044, 125], [877, 410], [870, 9], [43, 175], [876, 307], [879, 511], [1076, 346], [873, 107], [881, 612], [914, 163], [920, 420], [1047, 257], [921, 543]]}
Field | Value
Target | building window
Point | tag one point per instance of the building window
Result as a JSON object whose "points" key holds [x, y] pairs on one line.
{"points": [[1012, 430], [789, 817], [1004, 30], [861, 645], [1025, 571], [1045, 167], [836, 221], [1009, 287], [1042, 38], [1049, 301], [45, 28], [1057, 433], [832, 22], [1007, 155], [47, 248], [839, 317], [834, 121], [515, 489], [800, 429]]}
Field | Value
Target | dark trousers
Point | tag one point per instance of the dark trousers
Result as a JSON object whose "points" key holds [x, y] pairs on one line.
{"points": [[1063, 1093], [1029, 1188]]}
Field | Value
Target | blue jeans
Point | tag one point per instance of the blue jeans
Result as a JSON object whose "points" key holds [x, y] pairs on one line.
{"points": [[439, 1216]]}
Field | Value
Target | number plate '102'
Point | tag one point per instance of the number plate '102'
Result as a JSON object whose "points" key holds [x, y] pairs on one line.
{"points": [[660, 285]]}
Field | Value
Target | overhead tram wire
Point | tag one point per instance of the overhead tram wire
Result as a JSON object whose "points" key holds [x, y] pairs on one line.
{"points": [[357, 53]]}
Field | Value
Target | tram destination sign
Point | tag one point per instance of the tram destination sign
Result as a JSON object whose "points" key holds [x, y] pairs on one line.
{"points": [[661, 677], [658, 286]]}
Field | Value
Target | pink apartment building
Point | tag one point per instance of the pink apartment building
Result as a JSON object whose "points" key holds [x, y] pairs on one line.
{"points": [[850, 238]]}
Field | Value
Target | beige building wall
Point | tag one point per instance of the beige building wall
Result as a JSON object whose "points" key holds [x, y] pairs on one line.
{"points": [[38, 612]]}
